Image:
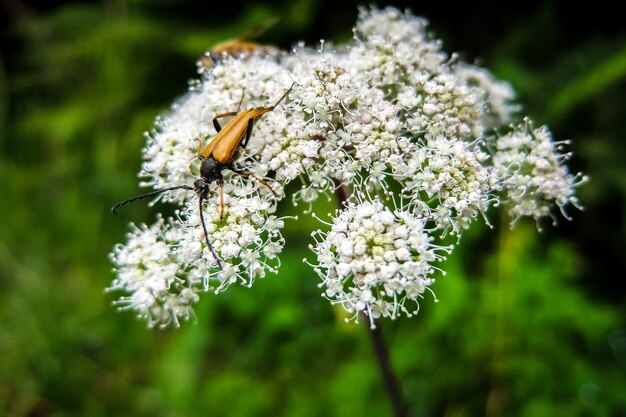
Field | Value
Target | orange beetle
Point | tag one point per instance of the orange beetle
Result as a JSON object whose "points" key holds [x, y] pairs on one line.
{"points": [[219, 154]]}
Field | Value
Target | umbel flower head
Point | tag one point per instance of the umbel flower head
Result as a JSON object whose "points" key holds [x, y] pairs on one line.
{"points": [[376, 260], [388, 118]]}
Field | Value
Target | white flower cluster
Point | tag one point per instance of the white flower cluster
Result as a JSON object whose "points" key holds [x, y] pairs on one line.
{"points": [[166, 265], [497, 96], [388, 116], [532, 173], [147, 269], [375, 261], [451, 175]]}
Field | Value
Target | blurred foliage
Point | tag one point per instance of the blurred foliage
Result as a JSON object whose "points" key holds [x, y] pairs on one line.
{"points": [[528, 324]]}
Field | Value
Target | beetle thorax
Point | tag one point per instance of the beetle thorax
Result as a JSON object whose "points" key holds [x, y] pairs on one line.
{"points": [[211, 170]]}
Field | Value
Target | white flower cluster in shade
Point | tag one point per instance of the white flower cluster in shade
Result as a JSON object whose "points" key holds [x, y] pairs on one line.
{"points": [[387, 116]]}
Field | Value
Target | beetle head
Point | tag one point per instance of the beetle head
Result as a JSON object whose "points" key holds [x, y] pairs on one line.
{"points": [[201, 187]]}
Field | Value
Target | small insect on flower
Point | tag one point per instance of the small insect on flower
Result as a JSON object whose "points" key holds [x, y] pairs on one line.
{"points": [[219, 154], [241, 46]]}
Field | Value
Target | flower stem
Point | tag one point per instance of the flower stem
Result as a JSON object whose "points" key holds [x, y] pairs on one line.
{"points": [[389, 378], [342, 192]]}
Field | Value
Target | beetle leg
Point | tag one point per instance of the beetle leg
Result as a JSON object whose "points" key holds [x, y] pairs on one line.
{"points": [[217, 125], [249, 174], [244, 143], [221, 184]]}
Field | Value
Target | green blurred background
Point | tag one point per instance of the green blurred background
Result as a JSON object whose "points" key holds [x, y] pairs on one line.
{"points": [[528, 324]]}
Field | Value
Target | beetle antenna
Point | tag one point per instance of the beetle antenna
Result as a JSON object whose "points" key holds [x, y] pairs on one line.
{"points": [[257, 31], [243, 95], [284, 95], [206, 234], [150, 194], [294, 81]]}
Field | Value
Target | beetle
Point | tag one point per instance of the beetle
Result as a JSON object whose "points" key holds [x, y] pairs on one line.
{"points": [[220, 153], [241, 46]]}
